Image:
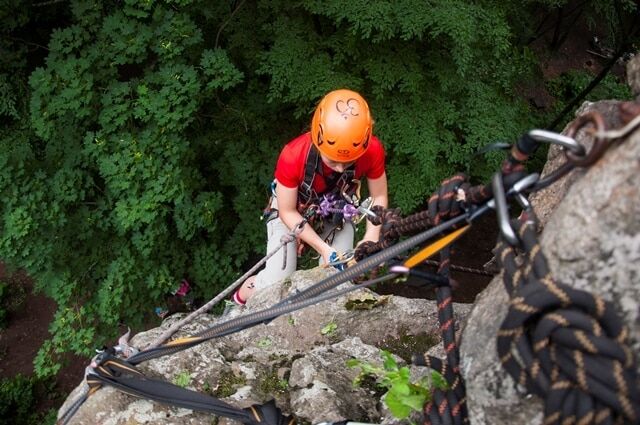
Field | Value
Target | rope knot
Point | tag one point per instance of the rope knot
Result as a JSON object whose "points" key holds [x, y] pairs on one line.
{"points": [[565, 345], [287, 238], [378, 210]]}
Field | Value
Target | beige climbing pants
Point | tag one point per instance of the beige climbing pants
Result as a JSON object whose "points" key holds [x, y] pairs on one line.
{"points": [[341, 240]]}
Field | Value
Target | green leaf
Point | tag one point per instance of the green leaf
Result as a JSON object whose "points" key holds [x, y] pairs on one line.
{"points": [[182, 379], [329, 328], [395, 404], [219, 70]]}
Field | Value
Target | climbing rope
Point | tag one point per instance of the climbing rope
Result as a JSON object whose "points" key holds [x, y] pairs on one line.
{"points": [[287, 238], [455, 204], [127, 351], [567, 346], [445, 406]]}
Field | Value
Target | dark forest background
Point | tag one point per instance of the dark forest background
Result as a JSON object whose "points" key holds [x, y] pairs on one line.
{"points": [[138, 138]]}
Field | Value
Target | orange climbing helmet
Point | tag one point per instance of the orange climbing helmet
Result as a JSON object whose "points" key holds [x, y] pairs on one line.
{"points": [[341, 126]]}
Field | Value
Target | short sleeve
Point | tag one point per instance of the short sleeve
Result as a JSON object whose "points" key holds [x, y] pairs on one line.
{"points": [[376, 157], [287, 168]]}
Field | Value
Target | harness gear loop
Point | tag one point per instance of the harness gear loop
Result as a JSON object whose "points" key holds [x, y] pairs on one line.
{"points": [[313, 168]]}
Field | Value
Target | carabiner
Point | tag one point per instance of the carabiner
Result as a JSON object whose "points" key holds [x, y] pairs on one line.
{"points": [[557, 139], [339, 260], [123, 348], [365, 207], [502, 210]]}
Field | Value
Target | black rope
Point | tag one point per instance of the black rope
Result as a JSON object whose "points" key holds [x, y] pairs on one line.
{"points": [[446, 406], [567, 346]]}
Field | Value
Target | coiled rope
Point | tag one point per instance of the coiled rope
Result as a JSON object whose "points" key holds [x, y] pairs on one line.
{"points": [[565, 345]]}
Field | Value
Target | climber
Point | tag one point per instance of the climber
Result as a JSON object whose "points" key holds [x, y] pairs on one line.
{"points": [[329, 160]]}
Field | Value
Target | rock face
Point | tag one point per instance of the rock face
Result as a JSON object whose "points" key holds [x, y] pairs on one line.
{"points": [[591, 238], [633, 74], [291, 359]]}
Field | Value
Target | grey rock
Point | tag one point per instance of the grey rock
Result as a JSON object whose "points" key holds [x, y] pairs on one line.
{"points": [[633, 74], [591, 239], [289, 359], [547, 199]]}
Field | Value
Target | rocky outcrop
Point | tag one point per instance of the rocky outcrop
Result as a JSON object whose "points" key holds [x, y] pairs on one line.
{"points": [[633, 74], [591, 238], [296, 359]]}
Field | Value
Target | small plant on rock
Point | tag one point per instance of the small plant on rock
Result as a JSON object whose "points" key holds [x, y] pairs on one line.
{"points": [[182, 379], [402, 396]]}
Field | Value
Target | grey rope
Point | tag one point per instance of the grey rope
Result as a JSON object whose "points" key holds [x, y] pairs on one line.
{"points": [[289, 237]]}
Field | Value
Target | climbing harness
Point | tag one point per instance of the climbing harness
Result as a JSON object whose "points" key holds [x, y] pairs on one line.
{"points": [[334, 182], [340, 203], [455, 206]]}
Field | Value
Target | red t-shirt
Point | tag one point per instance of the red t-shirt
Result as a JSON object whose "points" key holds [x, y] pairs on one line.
{"points": [[291, 163]]}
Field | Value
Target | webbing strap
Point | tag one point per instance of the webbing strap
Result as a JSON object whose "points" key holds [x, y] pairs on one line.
{"points": [[124, 376], [312, 168]]}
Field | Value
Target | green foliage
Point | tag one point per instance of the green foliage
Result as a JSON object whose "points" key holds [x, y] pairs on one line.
{"points": [[264, 342], [568, 85], [403, 396], [141, 136], [18, 397], [612, 16], [426, 74], [329, 329]]}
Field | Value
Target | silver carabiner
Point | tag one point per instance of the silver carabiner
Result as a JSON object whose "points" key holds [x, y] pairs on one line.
{"points": [[123, 348], [502, 210], [566, 142], [499, 202], [365, 207]]}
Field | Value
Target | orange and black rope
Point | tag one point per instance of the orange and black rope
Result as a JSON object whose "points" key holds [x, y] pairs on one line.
{"points": [[446, 406], [567, 346], [442, 204]]}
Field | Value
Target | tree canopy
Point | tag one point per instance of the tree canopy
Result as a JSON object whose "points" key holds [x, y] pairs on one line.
{"points": [[140, 136]]}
